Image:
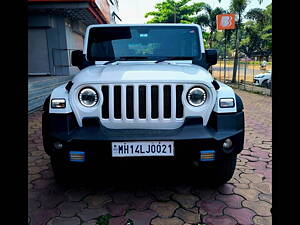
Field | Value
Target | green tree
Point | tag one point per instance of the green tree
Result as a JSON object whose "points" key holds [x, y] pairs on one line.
{"points": [[171, 11], [238, 7], [208, 19], [259, 31]]}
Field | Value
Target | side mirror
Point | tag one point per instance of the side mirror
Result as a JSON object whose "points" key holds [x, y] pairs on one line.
{"points": [[77, 58], [211, 56]]}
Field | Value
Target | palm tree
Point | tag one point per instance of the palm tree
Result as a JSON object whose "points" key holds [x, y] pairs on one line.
{"points": [[208, 19], [238, 7]]}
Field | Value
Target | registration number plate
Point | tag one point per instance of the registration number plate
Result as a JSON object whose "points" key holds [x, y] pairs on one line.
{"points": [[142, 148]]}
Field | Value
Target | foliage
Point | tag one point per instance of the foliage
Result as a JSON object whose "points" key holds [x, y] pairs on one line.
{"points": [[208, 19], [171, 11], [104, 220], [258, 39], [255, 26]]}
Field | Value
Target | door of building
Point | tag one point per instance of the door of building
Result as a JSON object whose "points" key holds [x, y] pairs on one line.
{"points": [[38, 58]]}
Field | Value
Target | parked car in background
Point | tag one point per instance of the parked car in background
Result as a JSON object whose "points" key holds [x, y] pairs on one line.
{"points": [[262, 79], [269, 83]]}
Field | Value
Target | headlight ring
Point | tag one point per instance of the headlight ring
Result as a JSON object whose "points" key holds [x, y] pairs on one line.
{"points": [[196, 96], [88, 97]]}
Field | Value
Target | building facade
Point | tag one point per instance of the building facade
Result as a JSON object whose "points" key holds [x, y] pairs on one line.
{"points": [[55, 29]]}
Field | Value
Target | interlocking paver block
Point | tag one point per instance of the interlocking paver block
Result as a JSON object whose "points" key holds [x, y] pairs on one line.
{"points": [[64, 221], [264, 187], [262, 220], [90, 222], [141, 203], [164, 209], [262, 208], [212, 207], [41, 216], [141, 217], [88, 214], [118, 220], [187, 216], [97, 200], [116, 209], [220, 220], [69, 209], [186, 200], [243, 216], [167, 221], [233, 201], [249, 194]]}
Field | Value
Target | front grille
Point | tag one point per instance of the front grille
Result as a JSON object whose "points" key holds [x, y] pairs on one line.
{"points": [[142, 101]]}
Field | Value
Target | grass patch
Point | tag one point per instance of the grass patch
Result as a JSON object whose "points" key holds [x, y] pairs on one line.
{"points": [[251, 91], [104, 220]]}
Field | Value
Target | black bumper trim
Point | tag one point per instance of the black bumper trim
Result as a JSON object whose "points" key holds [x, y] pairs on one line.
{"points": [[218, 129]]}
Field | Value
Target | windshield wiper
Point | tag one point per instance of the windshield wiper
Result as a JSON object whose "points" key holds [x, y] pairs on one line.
{"points": [[174, 58], [125, 58]]}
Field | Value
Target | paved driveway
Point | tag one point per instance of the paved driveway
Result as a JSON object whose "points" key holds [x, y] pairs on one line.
{"points": [[245, 199]]}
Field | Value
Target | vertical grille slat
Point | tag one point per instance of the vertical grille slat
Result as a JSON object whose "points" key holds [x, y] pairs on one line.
{"points": [[129, 101], [111, 102], [105, 105], [179, 106], [123, 102], [161, 102], [138, 101], [167, 101], [173, 100], [142, 102], [154, 102], [117, 102]]}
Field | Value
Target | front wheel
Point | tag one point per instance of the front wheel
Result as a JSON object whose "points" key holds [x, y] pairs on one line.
{"points": [[222, 171], [60, 170], [265, 83], [66, 172]]}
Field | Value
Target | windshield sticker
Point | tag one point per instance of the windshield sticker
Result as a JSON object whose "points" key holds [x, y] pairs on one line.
{"points": [[143, 35]]}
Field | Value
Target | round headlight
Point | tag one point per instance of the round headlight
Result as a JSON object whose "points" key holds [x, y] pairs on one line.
{"points": [[88, 97], [196, 96]]}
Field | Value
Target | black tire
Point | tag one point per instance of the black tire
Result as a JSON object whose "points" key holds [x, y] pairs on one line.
{"points": [[264, 83], [222, 171], [60, 169], [67, 173]]}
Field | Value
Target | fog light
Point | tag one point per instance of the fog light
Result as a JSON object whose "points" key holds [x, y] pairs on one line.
{"points": [[207, 155], [77, 156], [58, 145], [227, 144]]}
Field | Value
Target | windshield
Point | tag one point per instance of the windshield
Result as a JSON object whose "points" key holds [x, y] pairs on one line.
{"points": [[143, 42]]}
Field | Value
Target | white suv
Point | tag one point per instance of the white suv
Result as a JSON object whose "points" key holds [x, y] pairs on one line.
{"points": [[144, 94], [262, 79]]}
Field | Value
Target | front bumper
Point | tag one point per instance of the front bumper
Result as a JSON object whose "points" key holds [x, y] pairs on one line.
{"points": [[256, 81], [189, 139]]}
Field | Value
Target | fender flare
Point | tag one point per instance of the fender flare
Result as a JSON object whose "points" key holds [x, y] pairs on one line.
{"points": [[239, 103]]}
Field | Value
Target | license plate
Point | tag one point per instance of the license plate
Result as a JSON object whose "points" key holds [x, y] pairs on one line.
{"points": [[142, 148]]}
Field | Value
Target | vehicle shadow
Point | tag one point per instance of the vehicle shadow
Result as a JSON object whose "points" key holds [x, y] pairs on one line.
{"points": [[135, 178]]}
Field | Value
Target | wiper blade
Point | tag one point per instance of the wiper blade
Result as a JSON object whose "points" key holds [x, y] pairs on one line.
{"points": [[174, 58], [112, 61], [125, 58]]}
